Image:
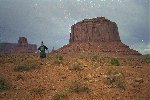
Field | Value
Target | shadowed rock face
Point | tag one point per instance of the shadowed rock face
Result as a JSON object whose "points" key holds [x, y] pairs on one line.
{"points": [[96, 29], [97, 35], [22, 41], [21, 47]]}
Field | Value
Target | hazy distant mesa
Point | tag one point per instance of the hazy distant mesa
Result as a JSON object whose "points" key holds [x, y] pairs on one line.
{"points": [[21, 47]]}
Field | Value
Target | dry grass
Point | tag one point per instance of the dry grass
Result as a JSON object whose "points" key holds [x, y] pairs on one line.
{"points": [[58, 59], [61, 95], [26, 66], [115, 78], [38, 90], [76, 67], [78, 87], [4, 85], [19, 77]]}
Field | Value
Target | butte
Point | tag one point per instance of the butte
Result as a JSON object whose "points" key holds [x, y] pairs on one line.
{"points": [[97, 35]]}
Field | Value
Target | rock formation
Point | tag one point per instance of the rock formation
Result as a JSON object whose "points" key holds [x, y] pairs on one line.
{"points": [[22, 41], [96, 35], [21, 47], [97, 29]]}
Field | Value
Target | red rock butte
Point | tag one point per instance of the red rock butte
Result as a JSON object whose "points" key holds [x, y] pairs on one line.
{"points": [[96, 29], [98, 35], [21, 47]]}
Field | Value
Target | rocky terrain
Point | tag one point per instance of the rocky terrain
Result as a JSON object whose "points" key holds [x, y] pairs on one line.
{"points": [[74, 77], [21, 47]]}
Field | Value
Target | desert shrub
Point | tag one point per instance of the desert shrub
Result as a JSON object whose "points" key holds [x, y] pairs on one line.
{"points": [[116, 79], [95, 58], [15, 58], [4, 84], [6, 59], [59, 57], [25, 66], [78, 87], [115, 62], [60, 96], [146, 60], [76, 67], [137, 97], [19, 77], [38, 91], [58, 62], [116, 82]]}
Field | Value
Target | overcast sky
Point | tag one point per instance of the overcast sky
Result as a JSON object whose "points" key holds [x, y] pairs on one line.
{"points": [[50, 20]]}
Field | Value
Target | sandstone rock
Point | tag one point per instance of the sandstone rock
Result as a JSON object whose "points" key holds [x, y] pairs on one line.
{"points": [[21, 47], [97, 29], [22, 41], [96, 35], [139, 80]]}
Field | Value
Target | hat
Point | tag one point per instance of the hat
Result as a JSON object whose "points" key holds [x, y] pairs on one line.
{"points": [[42, 43]]}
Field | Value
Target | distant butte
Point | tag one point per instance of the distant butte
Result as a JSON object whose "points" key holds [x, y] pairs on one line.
{"points": [[21, 47], [98, 35]]}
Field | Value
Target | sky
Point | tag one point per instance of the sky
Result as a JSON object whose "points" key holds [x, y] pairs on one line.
{"points": [[50, 20]]}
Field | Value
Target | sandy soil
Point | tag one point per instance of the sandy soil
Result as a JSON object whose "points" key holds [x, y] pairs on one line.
{"points": [[103, 81]]}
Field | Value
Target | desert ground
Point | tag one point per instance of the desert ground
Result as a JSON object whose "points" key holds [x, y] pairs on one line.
{"points": [[74, 77]]}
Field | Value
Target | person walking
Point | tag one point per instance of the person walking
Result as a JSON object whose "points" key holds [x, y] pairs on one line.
{"points": [[42, 49]]}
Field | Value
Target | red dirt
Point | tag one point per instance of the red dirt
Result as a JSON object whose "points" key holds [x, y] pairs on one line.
{"points": [[56, 78]]}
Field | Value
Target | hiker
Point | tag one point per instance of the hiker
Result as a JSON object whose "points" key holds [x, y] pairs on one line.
{"points": [[42, 49]]}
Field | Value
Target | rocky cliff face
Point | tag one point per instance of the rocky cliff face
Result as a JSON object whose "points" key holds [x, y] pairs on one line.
{"points": [[97, 29], [21, 47], [98, 35]]}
